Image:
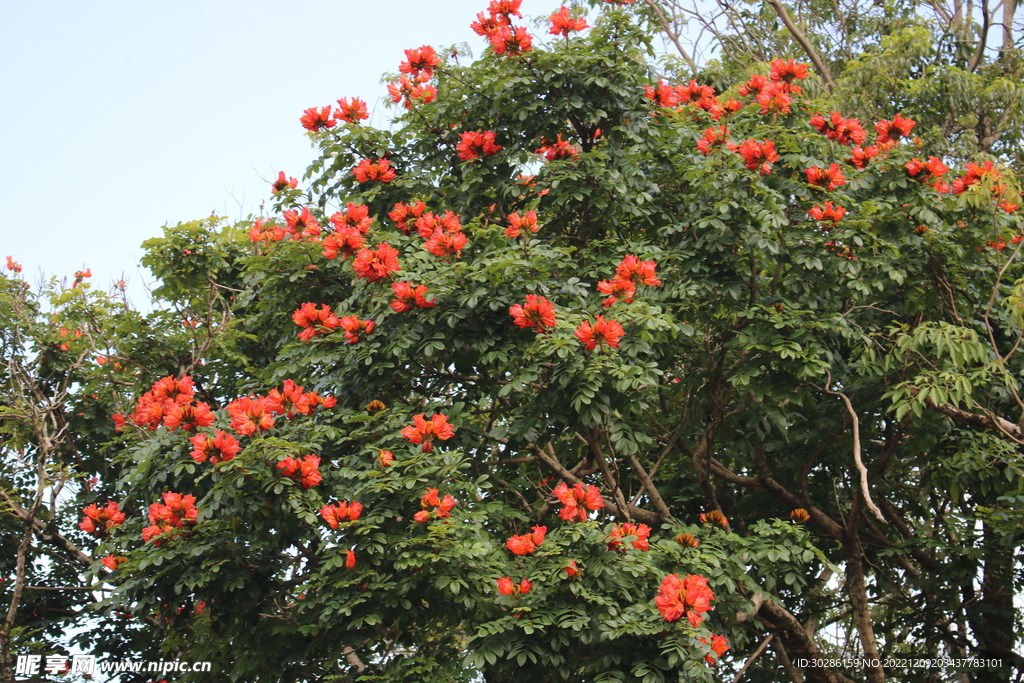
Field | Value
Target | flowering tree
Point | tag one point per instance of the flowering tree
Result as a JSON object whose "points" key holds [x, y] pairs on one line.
{"points": [[573, 374]]}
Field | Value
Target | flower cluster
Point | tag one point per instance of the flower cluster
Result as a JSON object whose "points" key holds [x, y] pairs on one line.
{"points": [[719, 645], [642, 532], [350, 111], [315, 320], [893, 131], [930, 171], [291, 399], [517, 224], [220, 447], [507, 587], [176, 512], [562, 24], [367, 170], [266, 231], [418, 68], [713, 138], [758, 156], [843, 131], [830, 178], [171, 402], [475, 144], [341, 512], [283, 183], [607, 331], [424, 431], [356, 328], [629, 274], [305, 471], [301, 225], [525, 544], [689, 597], [376, 264], [403, 214], [497, 27], [560, 149], [408, 297], [831, 213], [577, 500], [99, 520], [536, 312], [434, 506]]}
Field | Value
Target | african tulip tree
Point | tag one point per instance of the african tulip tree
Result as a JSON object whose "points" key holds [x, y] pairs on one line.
{"points": [[575, 375]]}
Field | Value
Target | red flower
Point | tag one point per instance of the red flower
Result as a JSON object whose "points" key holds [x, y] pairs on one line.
{"points": [[420, 62], [505, 8], [713, 137], [641, 531], [975, 174], [345, 241], [112, 562], [537, 312], [445, 508], [829, 178], [411, 91], [305, 471], [828, 213], [560, 149], [442, 245], [843, 131], [860, 157], [376, 264], [754, 86], [350, 559], [432, 504], [341, 512], [774, 100], [618, 289], [521, 545], [189, 417], [99, 520], [485, 25], [424, 431], [314, 320], [421, 516], [662, 94], [517, 223], [539, 532], [430, 224], [177, 511], [385, 458], [266, 231], [688, 597], [356, 216], [477, 143], [510, 41], [719, 644], [893, 131], [571, 570], [577, 500], [408, 297], [290, 399], [525, 586], [352, 111], [282, 183], [402, 213], [251, 414], [562, 24], [1008, 207], [505, 586], [638, 272], [367, 170], [219, 448], [608, 331], [785, 72], [356, 328], [301, 224], [13, 265], [317, 120], [165, 394], [758, 156]]}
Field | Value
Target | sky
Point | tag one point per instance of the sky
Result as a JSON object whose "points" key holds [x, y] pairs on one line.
{"points": [[120, 117]]}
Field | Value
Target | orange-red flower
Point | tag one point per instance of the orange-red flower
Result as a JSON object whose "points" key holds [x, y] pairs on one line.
{"points": [[505, 8], [843, 131], [420, 62], [430, 224], [758, 156], [315, 120], [411, 90], [571, 570], [99, 520], [408, 297], [165, 394], [828, 213], [352, 111], [536, 312], [475, 144], [689, 597], [345, 241], [506, 586], [356, 328], [485, 25], [385, 458], [976, 174], [754, 86], [305, 471], [367, 170], [577, 500], [314, 320], [434, 505], [403, 213], [442, 245], [785, 72], [341, 512], [266, 231], [356, 216], [774, 100], [713, 137], [562, 24], [290, 399], [424, 431], [830, 178], [638, 272], [177, 511], [13, 265], [376, 264], [251, 414], [350, 559], [521, 545], [112, 562], [220, 447], [187, 416], [719, 645], [926, 171], [662, 94], [560, 149], [608, 331], [895, 130], [617, 288], [861, 156], [283, 183], [301, 225], [641, 531], [510, 41], [517, 223]]}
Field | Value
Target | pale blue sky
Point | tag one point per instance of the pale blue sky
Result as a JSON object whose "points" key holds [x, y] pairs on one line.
{"points": [[118, 117]]}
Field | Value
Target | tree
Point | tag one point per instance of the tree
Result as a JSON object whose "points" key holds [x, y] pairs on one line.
{"points": [[575, 375]]}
